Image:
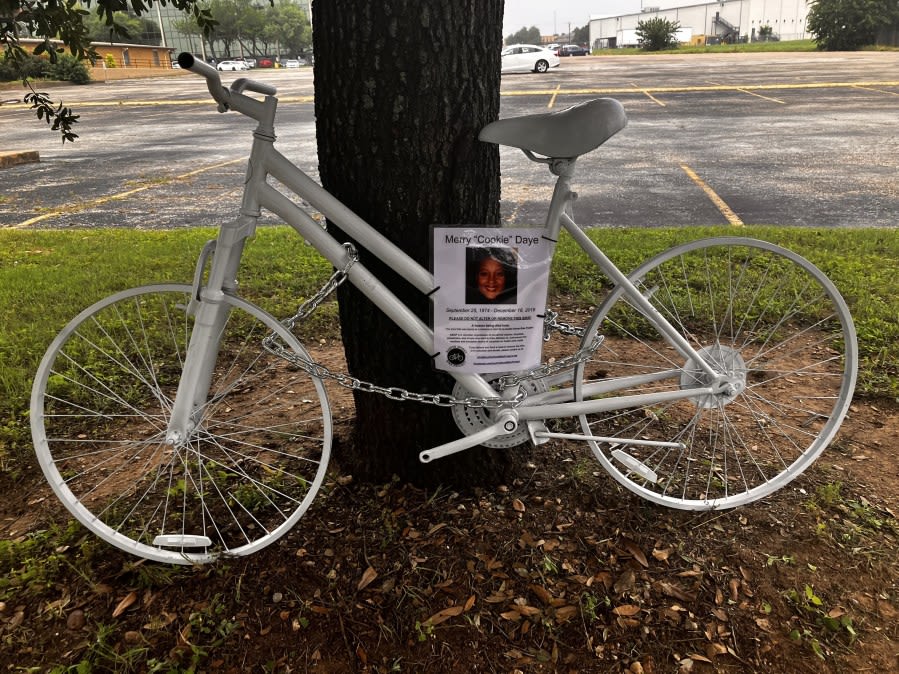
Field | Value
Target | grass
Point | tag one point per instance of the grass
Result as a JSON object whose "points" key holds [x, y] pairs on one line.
{"points": [[47, 277]]}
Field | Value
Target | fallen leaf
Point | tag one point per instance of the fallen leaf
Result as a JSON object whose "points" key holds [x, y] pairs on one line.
{"points": [[518, 505], [661, 555], [715, 649], [470, 603], [674, 591], [542, 593], [367, 577], [625, 582], [445, 614], [565, 613], [129, 599], [626, 610], [635, 551], [526, 610]]}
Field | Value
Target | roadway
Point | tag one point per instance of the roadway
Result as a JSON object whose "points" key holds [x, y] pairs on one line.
{"points": [[794, 139]]}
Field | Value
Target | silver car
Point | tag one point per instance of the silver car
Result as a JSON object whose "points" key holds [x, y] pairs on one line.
{"points": [[523, 58]]}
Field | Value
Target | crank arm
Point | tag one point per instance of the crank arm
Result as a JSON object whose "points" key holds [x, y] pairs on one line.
{"points": [[507, 422]]}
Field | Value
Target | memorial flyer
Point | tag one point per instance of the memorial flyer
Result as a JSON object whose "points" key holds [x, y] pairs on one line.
{"points": [[490, 299]]}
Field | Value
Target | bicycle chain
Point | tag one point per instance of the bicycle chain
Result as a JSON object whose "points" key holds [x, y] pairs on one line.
{"points": [[346, 380]]}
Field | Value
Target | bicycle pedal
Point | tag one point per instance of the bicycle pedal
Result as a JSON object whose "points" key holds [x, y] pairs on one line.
{"points": [[537, 431]]}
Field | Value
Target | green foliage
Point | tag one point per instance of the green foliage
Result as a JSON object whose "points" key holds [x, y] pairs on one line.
{"points": [[525, 36], [64, 68], [25, 68], [580, 35], [657, 33], [284, 27], [58, 117], [136, 29], [819, 626], [69, 69], [847, 25]]}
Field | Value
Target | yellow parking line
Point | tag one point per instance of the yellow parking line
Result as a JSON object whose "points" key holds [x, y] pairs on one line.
{"points": [[650, 96], [558, 91], [699, 89], [85, 205], [552, 100], [144, 103], [726, 210]]}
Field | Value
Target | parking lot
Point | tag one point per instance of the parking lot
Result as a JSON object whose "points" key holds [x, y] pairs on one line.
{"points": [[796, 139]]}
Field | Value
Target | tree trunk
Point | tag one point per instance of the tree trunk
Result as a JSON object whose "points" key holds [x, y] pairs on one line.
{"points": [[402, 88]]}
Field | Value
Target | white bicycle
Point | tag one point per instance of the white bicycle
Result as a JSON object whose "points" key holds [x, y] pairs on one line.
{"points": [[182, 423]]}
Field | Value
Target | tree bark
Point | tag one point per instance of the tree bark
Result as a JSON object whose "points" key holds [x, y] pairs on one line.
{"points": [[402, 88]]}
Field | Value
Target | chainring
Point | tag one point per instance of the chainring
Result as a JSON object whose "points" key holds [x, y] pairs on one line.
{"points": [[470, 420]]}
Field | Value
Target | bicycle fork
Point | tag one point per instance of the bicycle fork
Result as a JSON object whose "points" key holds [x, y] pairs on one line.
{"points": [[210, 317]]}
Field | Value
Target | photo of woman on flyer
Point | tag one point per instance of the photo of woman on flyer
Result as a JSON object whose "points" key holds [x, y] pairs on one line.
{"points": [[491, 275]]}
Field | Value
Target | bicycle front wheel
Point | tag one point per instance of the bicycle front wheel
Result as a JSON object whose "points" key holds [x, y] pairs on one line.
{"points": [[100, 407], [765, 319]]}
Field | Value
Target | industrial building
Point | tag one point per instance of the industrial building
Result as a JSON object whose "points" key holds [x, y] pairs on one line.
{"points": [[709, 22]]}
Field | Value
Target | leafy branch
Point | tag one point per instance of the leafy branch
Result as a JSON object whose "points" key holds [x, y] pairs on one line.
{"points": [[59, 117]]}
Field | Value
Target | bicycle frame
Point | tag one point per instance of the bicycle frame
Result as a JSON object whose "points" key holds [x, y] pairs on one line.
{"points": [[266, 161]]}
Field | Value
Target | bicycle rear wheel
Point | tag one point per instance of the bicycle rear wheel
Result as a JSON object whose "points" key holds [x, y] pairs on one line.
{"points": [[100, 407], [761, 315]]}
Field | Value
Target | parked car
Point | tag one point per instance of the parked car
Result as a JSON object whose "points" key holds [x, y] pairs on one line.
{"points": [[265, 62], [292, 63], [572, 50], [232, 65], [522, 58]]}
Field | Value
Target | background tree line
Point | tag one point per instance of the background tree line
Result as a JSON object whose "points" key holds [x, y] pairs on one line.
{"points": [[253, 27], [532, 36]]}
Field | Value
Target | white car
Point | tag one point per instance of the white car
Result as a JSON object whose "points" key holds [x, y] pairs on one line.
{"points": [[523, 58], [292, 63], [233, 65]]}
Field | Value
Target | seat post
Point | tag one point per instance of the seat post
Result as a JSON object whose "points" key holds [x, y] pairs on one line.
{"points": [[562, 194]]}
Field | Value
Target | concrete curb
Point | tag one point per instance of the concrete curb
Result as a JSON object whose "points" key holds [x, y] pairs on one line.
{"points": [[8, 159]]}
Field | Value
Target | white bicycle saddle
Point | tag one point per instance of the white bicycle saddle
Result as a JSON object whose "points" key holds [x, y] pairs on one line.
{"points": [[563, 134]]}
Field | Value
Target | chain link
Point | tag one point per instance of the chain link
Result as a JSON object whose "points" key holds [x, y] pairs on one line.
{"points": [[337, 278], [273, 344]]}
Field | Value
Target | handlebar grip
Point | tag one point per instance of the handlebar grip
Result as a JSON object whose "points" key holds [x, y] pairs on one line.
{"points": [[213, 80], [187, 61]]}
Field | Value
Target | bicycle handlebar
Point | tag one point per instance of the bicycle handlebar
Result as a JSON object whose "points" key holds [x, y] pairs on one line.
{"points": [[222, 95]]}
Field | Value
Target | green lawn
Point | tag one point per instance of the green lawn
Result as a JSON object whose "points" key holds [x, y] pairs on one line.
{"points": [[47, 277]]}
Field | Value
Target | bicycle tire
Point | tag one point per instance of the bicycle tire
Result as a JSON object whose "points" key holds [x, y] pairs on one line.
{"points": [[99, 411], [760, 313]]}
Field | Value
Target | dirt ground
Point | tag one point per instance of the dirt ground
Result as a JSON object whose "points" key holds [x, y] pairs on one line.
{"points": [[560, 571]]}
